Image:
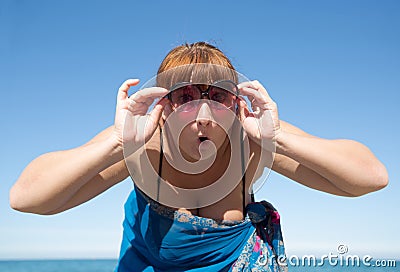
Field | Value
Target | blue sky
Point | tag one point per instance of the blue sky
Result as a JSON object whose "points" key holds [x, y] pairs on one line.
{"points": [[333, 67]]}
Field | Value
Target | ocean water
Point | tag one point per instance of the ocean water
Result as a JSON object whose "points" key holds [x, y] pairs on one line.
{"points": [[58, 266], [109, 265]]}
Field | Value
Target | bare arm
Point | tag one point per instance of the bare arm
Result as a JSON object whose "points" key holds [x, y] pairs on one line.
{"points": [[340, 167], [60, 180]]}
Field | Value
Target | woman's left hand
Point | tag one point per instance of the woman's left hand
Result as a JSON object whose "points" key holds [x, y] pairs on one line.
{"points": [[263, 123]]}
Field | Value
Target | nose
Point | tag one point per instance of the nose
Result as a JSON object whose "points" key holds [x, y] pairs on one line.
{"points": [[204, 115]]}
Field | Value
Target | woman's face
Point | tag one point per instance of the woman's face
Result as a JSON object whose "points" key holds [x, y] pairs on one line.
{"points": [[197, 130]]}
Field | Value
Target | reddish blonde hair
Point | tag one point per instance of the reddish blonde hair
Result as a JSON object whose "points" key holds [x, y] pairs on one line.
{"points": [[176, 66]]}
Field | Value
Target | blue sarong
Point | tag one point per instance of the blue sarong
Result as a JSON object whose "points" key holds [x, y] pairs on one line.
{"points": [[158, 238]]}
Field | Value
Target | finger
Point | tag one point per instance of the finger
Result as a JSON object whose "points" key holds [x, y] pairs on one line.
{"points": [[141, 108], [255, 85], [255, 94], [156, 113], [139, 102], [123, 89], [137, 108], [244, 84], [259, 103], [149, 94], [243, 110], [261, 88]]}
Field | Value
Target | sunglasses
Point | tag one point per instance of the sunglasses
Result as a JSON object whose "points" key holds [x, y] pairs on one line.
{"points": [[224, 92]]}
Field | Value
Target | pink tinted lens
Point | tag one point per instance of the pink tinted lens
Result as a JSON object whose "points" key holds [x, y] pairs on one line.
{"points": [[222, 96], [184, 95]]}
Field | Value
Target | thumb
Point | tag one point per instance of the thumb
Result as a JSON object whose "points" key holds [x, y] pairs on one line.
{"points": [[243, 110], [155, 114]]}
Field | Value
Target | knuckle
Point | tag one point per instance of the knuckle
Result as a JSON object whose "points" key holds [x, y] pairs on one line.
{"points": [[122, 88], [137, 96], [131, 103]]}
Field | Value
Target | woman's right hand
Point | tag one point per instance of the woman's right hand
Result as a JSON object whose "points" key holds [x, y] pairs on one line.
{"points": [[132, 123]]}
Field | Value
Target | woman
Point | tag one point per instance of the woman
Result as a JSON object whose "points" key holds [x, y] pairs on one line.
{"points": [[166, 227]]}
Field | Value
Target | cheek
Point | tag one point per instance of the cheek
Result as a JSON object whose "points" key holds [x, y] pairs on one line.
{"points": [[225, 119], [187, 135], [185, 118], [180, 124], [188, 131]]}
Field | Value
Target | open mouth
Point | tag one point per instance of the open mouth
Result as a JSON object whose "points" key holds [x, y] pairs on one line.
{"points": [[203, 138]]}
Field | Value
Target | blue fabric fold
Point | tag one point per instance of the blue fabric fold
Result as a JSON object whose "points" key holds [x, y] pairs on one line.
{"points": [[157, 238]]}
